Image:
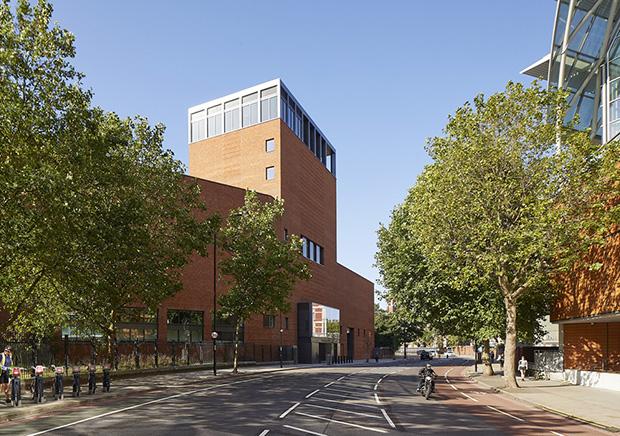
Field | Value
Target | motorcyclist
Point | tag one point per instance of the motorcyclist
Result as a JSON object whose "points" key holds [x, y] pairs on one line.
{"points": [[426, 371]]}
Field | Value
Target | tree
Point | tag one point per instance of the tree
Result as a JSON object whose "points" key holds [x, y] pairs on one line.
{"points": [[260, 268], [503, 203], [94, 215], [472, 310], [139, 225], [392, 329]]}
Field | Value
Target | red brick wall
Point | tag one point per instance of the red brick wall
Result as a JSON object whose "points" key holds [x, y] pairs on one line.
{"points": [[593, 346], [586, 292]]}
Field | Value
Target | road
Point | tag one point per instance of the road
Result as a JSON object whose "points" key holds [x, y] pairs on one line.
{"points": [[327, 400]]}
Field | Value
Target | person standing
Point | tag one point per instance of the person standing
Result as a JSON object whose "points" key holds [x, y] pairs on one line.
{"points": [[523, 367], [6, 361]]}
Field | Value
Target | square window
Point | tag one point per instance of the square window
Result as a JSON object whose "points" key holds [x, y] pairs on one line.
{"points": [[270, 173], [270, 145]]}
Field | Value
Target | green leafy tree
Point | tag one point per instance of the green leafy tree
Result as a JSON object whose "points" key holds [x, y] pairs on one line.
{"points": [[504, 203], [473, 310], [94, 214], [260, 268]]}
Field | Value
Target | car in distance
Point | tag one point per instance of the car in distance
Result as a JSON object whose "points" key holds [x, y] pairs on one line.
{"points": [[425, 355], [449, 353]]}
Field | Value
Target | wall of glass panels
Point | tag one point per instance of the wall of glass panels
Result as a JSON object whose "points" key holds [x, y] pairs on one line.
{"points": [[185, 325]]}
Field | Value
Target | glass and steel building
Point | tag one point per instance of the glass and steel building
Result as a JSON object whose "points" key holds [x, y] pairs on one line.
{"points": [[584, 60]]}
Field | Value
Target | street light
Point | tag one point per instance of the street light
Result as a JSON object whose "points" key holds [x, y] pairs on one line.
{"points": [[214, 333], [214, 337], [281, 331]]}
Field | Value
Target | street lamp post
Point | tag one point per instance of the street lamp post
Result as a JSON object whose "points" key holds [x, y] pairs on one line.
{"points": [[213, 332], [281, 331], [214, 337]]}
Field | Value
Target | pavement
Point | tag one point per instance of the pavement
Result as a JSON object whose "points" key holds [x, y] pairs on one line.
{"points": [[594, 406], [320, 400]]}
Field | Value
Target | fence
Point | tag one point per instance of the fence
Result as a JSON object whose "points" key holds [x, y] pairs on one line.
{"points": [[135, 355]]}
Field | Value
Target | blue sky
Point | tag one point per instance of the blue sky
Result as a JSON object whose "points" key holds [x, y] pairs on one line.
{"points": [[377, 77]]}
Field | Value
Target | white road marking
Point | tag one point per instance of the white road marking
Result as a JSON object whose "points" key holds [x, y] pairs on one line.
{"points": [[264, 432], [504, 413], [448, 381], [290, 409], [329, 384], [376, 430], [304, 431], [376, 386], [388, 419], [312, 393], [341, 377], [343, 410], [344, 402], [471, 398], [346, 391], [556, 433], [338, 395], [377, 399]]}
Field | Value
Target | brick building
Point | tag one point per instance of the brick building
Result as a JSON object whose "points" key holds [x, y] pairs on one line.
{"points": [[262, 139]]}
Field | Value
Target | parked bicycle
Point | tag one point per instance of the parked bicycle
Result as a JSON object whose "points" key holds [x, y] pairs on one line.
{"points": [[36, 387], [92, 379], [58, 388], [16, 387], [76, 381]]}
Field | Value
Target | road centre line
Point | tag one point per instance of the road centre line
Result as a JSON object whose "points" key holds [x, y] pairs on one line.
{"points": [[341, 378], [304, 431], [341, 402], [346, 391], [507, 414], [135, 406], [387, 418], [471, 398], [329, 384], [376, 430], [312, 393], [343, 410], [289, 410], [264, 432]]}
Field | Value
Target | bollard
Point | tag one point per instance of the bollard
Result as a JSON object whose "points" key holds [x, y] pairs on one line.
{"points": [[156, 356]]}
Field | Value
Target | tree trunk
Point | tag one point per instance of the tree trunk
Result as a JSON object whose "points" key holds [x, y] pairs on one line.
{"points": [[236, 351], [510, 347], [488, 367]]}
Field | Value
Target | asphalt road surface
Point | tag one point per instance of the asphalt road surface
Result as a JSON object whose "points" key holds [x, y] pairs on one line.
{"points": [[327, 400]]}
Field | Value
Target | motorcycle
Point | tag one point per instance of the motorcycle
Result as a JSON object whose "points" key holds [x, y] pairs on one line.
{"points": [[427, 387]]}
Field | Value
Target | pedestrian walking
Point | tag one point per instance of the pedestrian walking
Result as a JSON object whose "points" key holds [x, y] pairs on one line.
{"points": [[522, 367], [6, 361]]}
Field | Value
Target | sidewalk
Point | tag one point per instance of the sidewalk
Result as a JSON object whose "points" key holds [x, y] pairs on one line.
{"points": [[598, 407], [182, 377]]}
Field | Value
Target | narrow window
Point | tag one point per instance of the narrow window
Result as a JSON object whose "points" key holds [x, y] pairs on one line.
{"points": [[286, 323], [250, 109], [286, 234], [231, 115], [270, 145], [268, 104], [214, 121], [198, 127], [312, 251], [270, 173], [304, 247]]}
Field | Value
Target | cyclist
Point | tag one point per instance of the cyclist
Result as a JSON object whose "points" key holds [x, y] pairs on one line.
{"points": [[6, 362]]}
